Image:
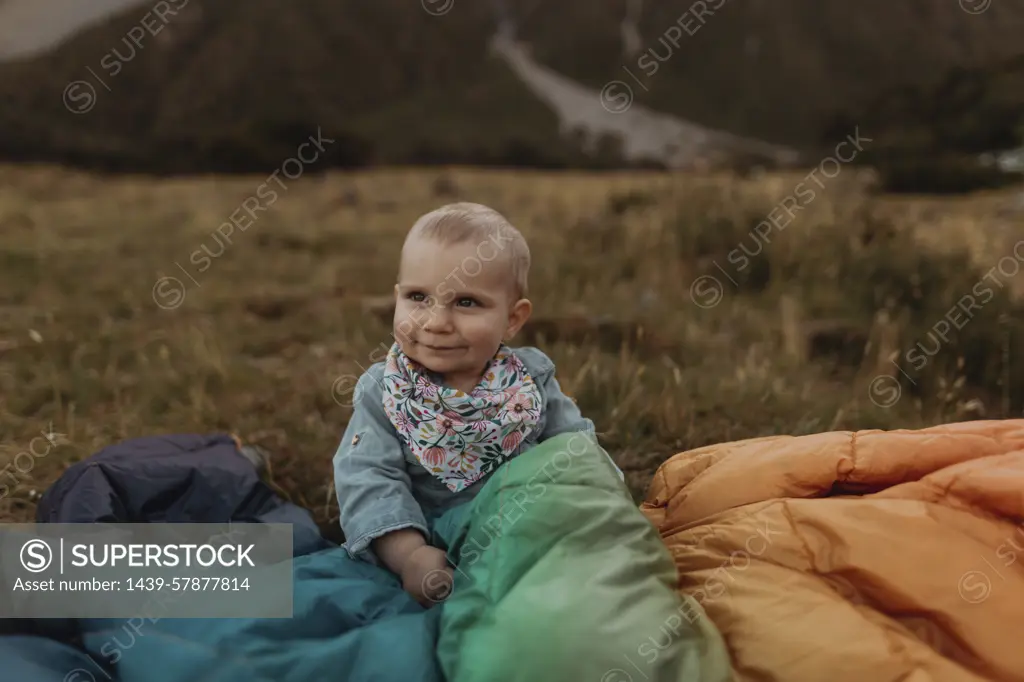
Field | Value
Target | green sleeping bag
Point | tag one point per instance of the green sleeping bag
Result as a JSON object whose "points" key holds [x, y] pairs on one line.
{"points": [[561, 577]]}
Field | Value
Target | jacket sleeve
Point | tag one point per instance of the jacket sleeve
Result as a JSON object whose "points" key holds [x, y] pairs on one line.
{"points": [[563, 416], [370, 476]]}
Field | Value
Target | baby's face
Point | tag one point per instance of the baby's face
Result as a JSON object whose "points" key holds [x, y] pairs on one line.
{"points": [[453, 308]]}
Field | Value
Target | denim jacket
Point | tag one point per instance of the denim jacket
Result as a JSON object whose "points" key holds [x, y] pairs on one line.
{"points": [[380, 484]]}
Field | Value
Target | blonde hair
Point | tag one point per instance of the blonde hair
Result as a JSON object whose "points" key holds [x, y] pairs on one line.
{"points": [[464, 221]]}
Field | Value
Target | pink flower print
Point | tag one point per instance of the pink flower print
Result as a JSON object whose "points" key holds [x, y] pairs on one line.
{"points": [[463, 460], [481, 425], [403, 422], [426, 387], [511, 441], [519, 407], [446, 426], [433, 456]]}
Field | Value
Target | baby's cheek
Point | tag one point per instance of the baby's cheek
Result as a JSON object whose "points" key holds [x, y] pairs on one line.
{"points": [[485, 330], [406, 319], [404, 328]]}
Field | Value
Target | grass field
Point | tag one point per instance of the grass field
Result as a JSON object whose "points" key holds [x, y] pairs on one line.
{"points": [[263, 335]]}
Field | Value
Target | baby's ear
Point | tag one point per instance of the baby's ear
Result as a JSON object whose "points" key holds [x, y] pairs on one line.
{"points": [[518, 316]]}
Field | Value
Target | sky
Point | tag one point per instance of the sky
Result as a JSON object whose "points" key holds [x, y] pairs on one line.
{"points": [[30, 27]]}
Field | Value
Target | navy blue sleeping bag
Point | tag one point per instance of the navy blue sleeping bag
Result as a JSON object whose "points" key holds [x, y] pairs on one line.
{"points": [[352, 621]]}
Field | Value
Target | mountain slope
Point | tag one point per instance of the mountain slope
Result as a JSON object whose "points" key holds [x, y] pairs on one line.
{"points": [[29, 27], [241, 86], [773, 70], [236, 86]]}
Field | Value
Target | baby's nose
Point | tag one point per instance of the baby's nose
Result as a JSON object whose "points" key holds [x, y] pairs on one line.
{"points": [[439, 317]]}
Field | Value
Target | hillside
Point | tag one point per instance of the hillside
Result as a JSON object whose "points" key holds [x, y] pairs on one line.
{"points": [[241, 87], [227, 87], [934, 136], [29, 27], [771, 70]]}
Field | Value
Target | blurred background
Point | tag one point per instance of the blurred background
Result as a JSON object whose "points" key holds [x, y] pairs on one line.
{"points": [[746, 217]]}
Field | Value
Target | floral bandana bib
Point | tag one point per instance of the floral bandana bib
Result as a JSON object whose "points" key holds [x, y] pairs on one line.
{"points": [[460, 437]]}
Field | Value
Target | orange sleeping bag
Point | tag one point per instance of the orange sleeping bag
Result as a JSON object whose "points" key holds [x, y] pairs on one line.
{"points": [[870, 556]]}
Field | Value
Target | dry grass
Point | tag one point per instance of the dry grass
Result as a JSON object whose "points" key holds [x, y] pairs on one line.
{"points": [[264, 334]]}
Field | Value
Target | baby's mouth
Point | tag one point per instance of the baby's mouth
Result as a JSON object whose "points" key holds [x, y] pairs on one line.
{"points": [[442, 349]]}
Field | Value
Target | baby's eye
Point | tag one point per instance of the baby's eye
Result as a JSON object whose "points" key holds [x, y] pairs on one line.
{"points": [[466, 302], [416, 296]]}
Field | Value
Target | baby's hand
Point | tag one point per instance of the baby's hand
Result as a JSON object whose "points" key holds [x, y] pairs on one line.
{"points": [[427, 576]]}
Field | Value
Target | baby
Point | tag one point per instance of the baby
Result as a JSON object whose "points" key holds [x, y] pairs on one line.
{"points": [[452, 402]]}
